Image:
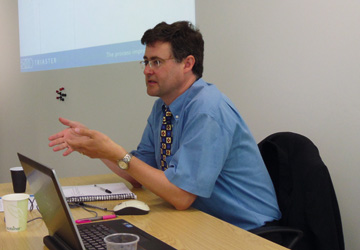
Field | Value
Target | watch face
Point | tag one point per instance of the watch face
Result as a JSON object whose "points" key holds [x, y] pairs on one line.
{"points": [[123, 165]]}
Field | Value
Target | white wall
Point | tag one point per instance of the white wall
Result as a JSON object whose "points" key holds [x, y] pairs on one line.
{"points": [[287, 65]]}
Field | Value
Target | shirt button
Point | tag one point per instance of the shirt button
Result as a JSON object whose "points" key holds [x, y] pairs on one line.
{"points": [[177, 117]]}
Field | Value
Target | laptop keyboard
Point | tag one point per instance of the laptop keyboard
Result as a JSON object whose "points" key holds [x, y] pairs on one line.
{"points": [[93, 236]]}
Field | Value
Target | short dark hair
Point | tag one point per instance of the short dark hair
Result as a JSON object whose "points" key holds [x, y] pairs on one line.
{"points": [[185, 40]]}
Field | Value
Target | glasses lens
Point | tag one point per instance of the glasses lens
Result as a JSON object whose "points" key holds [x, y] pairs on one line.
{"points": [[142, 64], [156, 63], [153, 64]]}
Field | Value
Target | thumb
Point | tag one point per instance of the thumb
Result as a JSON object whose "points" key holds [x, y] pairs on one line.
{"points": [[83, 131], [64, 121]]}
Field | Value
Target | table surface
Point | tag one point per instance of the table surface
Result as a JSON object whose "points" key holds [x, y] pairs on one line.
{"points": [[189, 229]]}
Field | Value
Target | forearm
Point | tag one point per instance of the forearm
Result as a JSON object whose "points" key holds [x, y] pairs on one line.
{"points": [[156, 181]]}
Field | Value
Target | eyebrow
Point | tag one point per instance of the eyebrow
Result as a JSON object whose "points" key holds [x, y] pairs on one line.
{"points": [[151, 58]]}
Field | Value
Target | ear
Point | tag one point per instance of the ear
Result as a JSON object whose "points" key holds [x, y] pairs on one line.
{"points": [[189, 62]]}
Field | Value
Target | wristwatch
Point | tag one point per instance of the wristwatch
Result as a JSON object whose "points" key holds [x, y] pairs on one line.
{"points": [[124, 162]]}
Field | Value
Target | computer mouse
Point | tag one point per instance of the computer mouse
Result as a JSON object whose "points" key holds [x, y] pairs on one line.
{"points": [[131, 207]]}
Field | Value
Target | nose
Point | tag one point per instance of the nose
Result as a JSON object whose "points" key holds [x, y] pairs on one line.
{"points": [[148, 70]]}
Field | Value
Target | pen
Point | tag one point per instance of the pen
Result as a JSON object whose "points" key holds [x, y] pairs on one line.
{"points": [[103, 189], [86, 220]]}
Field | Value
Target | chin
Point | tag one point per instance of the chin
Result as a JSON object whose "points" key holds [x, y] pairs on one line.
{"points": [[152, 93]]}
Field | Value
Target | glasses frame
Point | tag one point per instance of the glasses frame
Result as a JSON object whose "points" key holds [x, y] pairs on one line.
{"points": [[154, 63]]}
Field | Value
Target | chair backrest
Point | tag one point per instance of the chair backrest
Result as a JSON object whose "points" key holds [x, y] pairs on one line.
{"points": [[304, 190]]}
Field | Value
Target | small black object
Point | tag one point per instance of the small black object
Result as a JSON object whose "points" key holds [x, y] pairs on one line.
{"points": [[61, 94]]}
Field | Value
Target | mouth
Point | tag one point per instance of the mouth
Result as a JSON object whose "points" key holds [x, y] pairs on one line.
{"points": [[151, 82]]}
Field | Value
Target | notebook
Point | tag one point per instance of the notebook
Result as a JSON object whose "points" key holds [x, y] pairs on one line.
{"points": [[63, 232], [97, 192]]}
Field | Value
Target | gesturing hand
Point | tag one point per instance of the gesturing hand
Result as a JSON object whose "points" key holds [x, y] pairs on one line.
{"points": [[58, 140], [93, 143]]}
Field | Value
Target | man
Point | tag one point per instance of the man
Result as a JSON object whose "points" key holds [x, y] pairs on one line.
{"points": [[209, 161]]}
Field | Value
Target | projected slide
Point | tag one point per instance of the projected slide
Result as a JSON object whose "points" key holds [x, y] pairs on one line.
{"points": [[75, 33]]}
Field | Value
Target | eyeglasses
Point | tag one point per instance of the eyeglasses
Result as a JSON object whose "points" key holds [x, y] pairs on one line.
{"points": [[155, 63]]}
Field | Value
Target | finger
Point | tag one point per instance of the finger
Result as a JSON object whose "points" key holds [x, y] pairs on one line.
{"points": [[68, 151], [65, 122], [71, 124], [56, 136], [57, 141], [61, 146]]}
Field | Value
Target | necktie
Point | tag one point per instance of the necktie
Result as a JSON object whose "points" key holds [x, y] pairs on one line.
{"points": [[165, 137]]}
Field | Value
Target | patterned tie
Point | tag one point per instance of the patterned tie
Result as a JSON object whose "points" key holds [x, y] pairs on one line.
{"points": [[165, 137]]}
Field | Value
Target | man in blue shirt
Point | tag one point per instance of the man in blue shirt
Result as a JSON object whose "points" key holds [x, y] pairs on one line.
{"points": [[209, 161]]}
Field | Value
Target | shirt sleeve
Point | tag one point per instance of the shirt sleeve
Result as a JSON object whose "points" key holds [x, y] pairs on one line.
{"points": [[203, 149], [146, 150]]}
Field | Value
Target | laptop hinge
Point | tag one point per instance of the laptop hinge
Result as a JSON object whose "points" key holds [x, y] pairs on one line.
{"points": [[55, 243]]}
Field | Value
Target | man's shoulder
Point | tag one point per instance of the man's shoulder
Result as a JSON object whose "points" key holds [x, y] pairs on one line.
{"points": [[202, 91], [207, 96]]}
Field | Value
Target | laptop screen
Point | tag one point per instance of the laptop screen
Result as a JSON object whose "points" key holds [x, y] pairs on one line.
{"points": [[50, 199]]}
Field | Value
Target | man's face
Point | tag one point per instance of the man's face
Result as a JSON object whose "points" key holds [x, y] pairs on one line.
{"points": [[166, 79]]}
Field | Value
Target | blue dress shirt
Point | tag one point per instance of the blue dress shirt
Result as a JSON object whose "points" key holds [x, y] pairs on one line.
{"points": [[213, 156]]}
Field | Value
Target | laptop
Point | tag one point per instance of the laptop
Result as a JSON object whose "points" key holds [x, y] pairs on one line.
{"points": [[64, 233]]}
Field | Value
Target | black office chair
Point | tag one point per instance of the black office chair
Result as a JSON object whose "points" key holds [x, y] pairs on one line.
{"points": [[306, 196]]}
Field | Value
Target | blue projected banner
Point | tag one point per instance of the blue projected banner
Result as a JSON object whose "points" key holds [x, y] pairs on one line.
{"points": [[115, 53], [61, 34]]}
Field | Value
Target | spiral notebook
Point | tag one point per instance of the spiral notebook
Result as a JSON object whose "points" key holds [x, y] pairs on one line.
{"points": [[98, 192]]}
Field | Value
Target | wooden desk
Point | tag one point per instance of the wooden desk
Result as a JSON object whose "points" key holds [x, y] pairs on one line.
{"points": [[189, 229]]}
